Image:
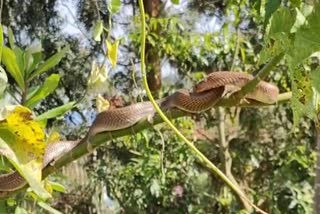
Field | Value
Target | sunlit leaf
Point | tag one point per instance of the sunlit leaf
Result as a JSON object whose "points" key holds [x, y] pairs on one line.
{"points": [[112, 52], [23, 141], [115, 6], [3, 81], [281, 22], [47, 88], [155, 188], [57, 187], [97, 30], [175, 1], [50, 63], [35, 48], [307, 39], [32, 57], [300, 20], [36, 59], [11, 37], [198, 75], [20, 210], [277, 38], [10, 61], [98, 77], [11, 202], [52, 113], [20, 59], [102, 104], [48, 208]]}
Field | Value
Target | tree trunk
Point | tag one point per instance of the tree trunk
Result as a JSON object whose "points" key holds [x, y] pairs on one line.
{"points": [[153, 9]]}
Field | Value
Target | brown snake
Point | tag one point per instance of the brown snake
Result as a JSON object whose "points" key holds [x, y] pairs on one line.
{"points": [[205, 95]]}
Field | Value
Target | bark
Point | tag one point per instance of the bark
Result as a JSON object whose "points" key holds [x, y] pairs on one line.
{"points": [[153, 9]]}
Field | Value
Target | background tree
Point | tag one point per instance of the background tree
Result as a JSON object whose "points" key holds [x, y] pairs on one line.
{"points": [[272, 155]]}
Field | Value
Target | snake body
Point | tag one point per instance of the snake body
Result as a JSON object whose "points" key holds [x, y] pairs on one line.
{"points": [[205, 95], [233, 81], [193, 102]]}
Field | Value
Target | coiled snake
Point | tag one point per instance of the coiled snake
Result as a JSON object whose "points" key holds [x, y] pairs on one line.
{"points": [[205, 95]]}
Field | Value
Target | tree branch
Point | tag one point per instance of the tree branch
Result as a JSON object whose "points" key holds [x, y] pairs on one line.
{"points": [[99, 139], [226, 156], [106, 136]]}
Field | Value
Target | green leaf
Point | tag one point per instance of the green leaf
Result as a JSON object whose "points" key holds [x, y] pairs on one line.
{"points": [[307, 39], [32, 90], [295, 3], [3, 207], [98, 77], [10, 61], [47, 88], [1, 41], [3, 81], [281, 22], [48, 208], [175, 1], [20, 59], [115, 6], [300, 20], [277, 38], [57, 187], [112, 52], [56, 111], [97, 30], [11, 37], [11, 202], [33, 57], [5, 165], [37, 58], [20, 210], [50, 63], [270, 8]]}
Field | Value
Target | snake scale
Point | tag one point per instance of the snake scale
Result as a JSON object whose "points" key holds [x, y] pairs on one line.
{"points": [[205, 95]]}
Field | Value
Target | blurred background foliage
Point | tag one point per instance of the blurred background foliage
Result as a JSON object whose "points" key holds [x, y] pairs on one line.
{"points": [[151, 171]]}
